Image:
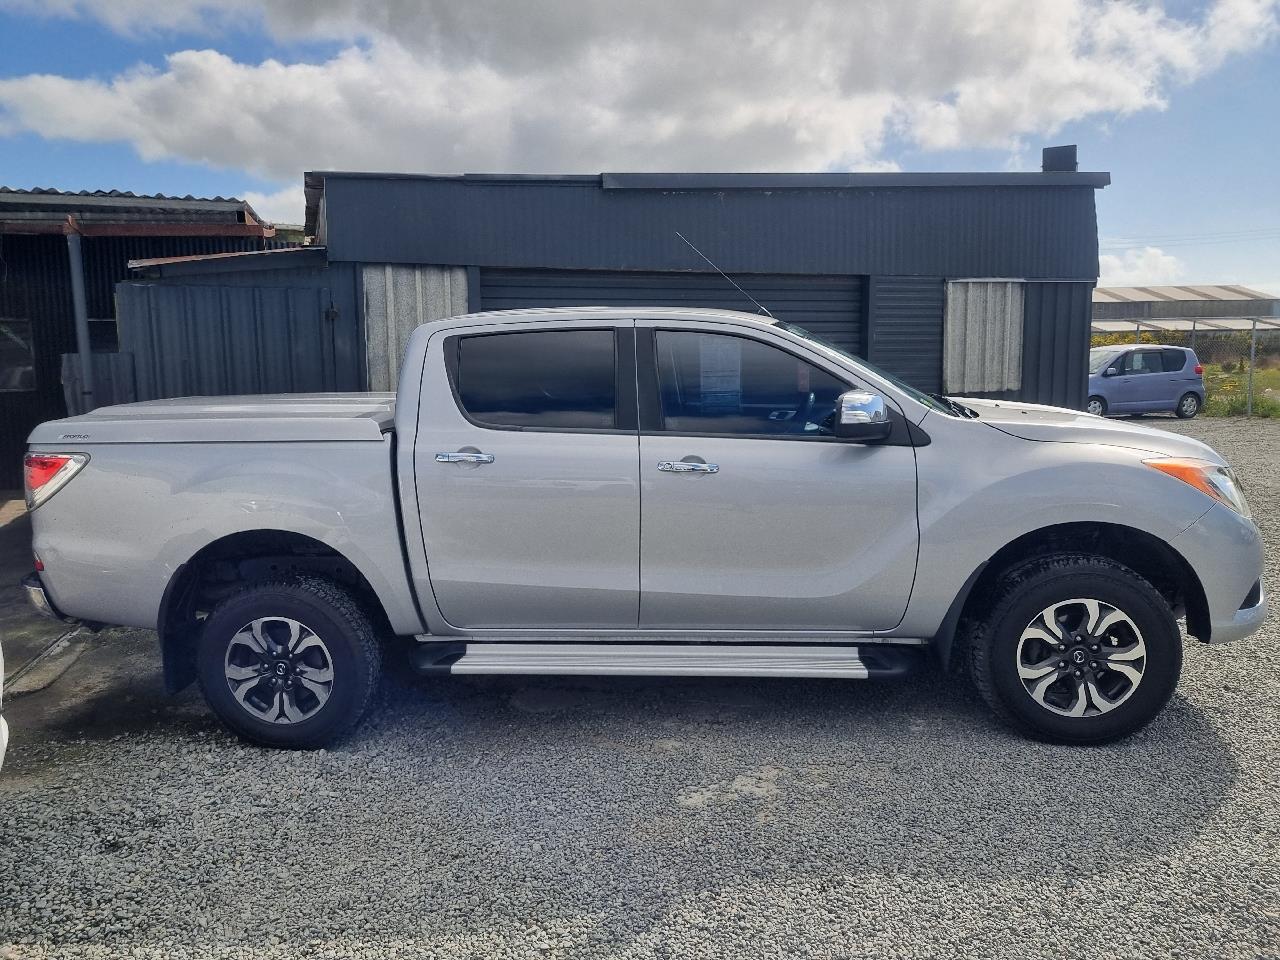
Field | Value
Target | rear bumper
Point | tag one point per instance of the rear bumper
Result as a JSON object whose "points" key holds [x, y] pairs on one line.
{"points": [[1225, 551], [39, 599]]}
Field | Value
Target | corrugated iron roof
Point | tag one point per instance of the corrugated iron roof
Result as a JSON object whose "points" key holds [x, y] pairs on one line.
{"points": [[46, 203], [117, 194], [234, 261], [1186, 324], [1198, 291]]}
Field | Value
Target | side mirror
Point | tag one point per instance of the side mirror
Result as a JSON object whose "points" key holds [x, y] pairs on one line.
{"points": [[1110, 371], [861, 416]]}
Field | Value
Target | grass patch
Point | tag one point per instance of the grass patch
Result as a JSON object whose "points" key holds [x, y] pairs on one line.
{"points": [[1236, 405], [1226, 391]]}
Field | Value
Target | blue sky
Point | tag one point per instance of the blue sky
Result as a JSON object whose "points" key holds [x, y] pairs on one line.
{"points": [[89, 98]]}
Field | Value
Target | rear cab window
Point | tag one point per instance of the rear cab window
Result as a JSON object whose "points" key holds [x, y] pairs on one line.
{"points": [[537, 380]]}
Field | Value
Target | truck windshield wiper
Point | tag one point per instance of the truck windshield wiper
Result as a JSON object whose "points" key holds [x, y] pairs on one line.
{"points": [[959, 409]]}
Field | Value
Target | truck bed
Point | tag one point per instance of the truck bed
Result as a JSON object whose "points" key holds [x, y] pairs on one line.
{"points": [[266, 419]]}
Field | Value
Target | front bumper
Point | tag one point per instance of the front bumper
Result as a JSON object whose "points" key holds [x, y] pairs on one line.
{"points": [[1225, 551], [39, 599], [1246, 621]]}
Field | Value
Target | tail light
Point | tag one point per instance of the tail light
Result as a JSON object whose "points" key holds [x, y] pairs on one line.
{"points": [[1199, 369], [47, 473]]}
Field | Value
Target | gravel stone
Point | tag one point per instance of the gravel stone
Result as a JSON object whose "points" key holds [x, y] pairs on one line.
{"points": [[544, 817]]}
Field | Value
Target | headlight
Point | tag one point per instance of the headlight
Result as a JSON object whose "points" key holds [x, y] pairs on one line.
{"points": [[1206, 476]]}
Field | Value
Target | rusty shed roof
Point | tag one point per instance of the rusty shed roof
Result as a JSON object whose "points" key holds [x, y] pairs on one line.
{"points": [[114, 212]]}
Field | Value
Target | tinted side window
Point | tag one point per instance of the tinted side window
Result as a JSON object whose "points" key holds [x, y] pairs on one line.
{"points": [[712, 383], [545, 378], [1174, 360]]}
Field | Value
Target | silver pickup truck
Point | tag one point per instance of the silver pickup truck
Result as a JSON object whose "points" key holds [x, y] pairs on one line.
{"points": [[647, 492]]}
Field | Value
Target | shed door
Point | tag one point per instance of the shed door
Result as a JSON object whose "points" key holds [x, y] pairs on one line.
{"points": [[830, 306]]}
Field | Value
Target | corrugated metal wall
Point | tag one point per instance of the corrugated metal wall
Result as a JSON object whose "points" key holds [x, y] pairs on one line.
{"points": [[904, 328], [113, 381], [35, 285], [398, 299], [941, 231], [1146, 309], [106, 260], [982, 335], [830, 306], [194, 340], [1055, 343]]}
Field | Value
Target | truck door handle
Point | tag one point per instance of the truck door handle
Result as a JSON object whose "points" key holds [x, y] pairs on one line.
{"points": [[464, 458], [684, 466]]}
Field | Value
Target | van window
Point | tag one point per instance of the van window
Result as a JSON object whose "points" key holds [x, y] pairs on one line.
{"points": [[1143, 361]]}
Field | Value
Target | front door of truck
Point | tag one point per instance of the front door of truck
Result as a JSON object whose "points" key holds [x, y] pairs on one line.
{"points": [[527, 476], [753, 516]]}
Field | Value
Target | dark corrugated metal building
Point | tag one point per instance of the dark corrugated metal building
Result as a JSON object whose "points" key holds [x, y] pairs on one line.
{"points": [[967, 282], [37, 319]]}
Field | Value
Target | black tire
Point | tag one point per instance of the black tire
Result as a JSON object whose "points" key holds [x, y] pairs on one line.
{"points": [[1102, 406], [349, 644], [1188, 406], [1034, 585]]}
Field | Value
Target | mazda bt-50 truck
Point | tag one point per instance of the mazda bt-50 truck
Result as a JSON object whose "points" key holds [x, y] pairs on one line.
{"points": [[642, 492]]}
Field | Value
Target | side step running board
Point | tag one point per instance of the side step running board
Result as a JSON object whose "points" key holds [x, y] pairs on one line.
{"points": [[667, 660]]}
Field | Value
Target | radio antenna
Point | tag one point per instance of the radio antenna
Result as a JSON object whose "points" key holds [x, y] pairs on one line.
{"points": [[762, 307]]}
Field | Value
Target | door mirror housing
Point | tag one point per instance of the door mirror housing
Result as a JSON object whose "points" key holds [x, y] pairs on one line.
{"points": [[1111, 371], [861, 416]]}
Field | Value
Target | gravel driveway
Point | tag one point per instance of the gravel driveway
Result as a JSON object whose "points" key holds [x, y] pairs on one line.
{"points": [[507, 817]]}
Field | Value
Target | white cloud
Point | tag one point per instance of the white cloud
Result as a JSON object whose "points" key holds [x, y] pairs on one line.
{"points": [[1147, 267], [287, 205], [582, 85], [1271, 287]]}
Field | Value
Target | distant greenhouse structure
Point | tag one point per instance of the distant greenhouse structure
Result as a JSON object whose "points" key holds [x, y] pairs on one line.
{"points": [[1234, 330]]}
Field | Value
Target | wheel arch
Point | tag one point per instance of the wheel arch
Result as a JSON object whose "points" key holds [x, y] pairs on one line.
{"points": [[227, 564], [1146, 554]]}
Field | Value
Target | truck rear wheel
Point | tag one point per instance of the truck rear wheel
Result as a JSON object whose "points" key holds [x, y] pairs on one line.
{"points": [[1076, 649], [289, 664]]}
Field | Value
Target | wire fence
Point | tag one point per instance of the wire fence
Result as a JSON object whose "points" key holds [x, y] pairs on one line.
{"points": [[1241, 366]]}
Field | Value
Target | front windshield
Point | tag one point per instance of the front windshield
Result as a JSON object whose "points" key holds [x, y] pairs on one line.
{"points": [[921, 398], [1099, 357]]}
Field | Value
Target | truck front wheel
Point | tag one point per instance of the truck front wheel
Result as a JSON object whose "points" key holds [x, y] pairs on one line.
{"points": [[289, 664], [1076, 649]]}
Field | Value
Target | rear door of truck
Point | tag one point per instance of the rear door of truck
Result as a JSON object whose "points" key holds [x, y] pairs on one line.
{"points": [[527, 474]]}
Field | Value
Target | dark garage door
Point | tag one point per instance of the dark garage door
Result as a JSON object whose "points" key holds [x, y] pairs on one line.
{"points": [[829, 306]]}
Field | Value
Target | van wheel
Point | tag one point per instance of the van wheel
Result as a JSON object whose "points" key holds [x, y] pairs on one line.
{"points": [[1076, 649], [1188, 406], [289, 664], [1097, 406]]}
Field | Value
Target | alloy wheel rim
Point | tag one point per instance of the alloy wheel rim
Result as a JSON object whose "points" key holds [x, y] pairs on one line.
{"points": [[1095, 408], [278, 670], [1189, 405], [1081, 658]]}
